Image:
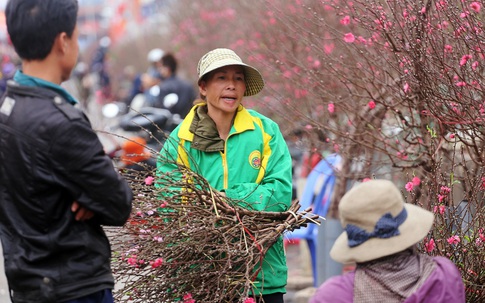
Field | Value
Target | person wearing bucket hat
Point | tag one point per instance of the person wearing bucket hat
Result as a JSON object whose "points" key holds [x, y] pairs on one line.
{"points": [[239, 151], [380, 235]]}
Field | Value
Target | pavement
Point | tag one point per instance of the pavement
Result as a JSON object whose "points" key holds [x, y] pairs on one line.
{"points": [[300, 280], [4, 296]]}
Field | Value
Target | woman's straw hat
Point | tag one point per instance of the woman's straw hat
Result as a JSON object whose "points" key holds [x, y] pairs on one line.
{"points": [[378, 223], [221, 57]]}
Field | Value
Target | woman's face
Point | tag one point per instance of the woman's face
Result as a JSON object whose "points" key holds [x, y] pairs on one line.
{"points": [[224, 89]]}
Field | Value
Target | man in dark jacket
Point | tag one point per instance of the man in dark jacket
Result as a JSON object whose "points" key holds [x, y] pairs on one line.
{"points": [[176, 94], [57, 186]]}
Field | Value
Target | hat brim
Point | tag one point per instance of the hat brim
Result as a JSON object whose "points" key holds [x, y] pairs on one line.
{"points": [[411, 231], [254, 80]]}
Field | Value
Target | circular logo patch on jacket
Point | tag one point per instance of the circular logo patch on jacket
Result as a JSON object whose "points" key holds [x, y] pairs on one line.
{"points": [[255, 159]]}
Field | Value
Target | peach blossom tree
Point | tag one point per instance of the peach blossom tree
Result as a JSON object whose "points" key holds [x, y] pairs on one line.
{"points": [[395, 87]]}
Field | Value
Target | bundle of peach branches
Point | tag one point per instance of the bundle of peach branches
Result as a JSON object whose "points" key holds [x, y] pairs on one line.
{"points": [[185, 242]]}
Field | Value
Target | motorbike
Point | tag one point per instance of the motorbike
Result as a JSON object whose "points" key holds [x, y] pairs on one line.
{"points": [[139, 120]]}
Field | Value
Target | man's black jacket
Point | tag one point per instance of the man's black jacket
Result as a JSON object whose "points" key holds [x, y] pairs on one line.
{"points": [[49, 158]]}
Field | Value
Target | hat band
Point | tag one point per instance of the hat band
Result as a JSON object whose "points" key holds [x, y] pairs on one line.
{"points": [[386, 227]]}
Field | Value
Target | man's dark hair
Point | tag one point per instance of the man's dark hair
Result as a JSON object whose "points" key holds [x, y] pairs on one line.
{"points": [[169, 61], [33, 25]]}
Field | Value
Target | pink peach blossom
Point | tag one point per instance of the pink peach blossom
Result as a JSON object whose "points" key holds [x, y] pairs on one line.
{"points": [[439, 209], [328, 48], [464, 59], [416, 181], [406, 87], [132, 260], [442, 209], [475, 6], [187, 297], [445, 189], [349, 38], [430, 245], [149, 180], [156, 263], [345, 20], [453, 240], [401, 155]]}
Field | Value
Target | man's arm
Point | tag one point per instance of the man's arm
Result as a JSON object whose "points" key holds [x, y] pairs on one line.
{"points": [[89, 174]]}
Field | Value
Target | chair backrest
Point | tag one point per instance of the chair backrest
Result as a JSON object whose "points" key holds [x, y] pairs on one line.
{"points": [[325, 169]]}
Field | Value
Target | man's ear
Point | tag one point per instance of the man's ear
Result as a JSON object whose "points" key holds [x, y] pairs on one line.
{"points": [[60, 43]]}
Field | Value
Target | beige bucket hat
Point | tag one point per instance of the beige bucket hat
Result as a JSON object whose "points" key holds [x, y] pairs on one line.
{"points": [[220, 57], [377, 223]]}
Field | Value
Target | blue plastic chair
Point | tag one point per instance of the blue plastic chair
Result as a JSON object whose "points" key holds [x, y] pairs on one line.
{"points": [[319, 200]]}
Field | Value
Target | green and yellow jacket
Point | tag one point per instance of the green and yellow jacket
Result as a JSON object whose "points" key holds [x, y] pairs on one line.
{"points": [[253, 165]]}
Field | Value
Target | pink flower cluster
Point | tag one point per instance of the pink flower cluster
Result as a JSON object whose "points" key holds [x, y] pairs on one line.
{"points": [[156, 263], [465, 59], [444, 192], [415, 182], [439, 209], [481, 238], [475, 6], [344, 21], [149, 180], [188, 298], [429, 245], [349, 38], [453, 240], [133, 260]]}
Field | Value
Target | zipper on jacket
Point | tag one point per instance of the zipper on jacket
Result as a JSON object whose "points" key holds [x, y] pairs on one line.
{"points": [[224, 167], [224, 163]]}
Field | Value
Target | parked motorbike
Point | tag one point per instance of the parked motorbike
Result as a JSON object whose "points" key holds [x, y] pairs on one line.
{"points": [[138, 120], [155, 123]]}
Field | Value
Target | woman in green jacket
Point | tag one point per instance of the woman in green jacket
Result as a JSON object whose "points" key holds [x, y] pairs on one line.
{"points": [[240, 152]]}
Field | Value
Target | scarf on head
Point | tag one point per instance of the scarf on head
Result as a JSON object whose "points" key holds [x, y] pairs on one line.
{"points": [[392, 278]]}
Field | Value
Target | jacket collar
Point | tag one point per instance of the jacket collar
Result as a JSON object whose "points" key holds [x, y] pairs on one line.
{"points": [[27, 80], [242, 122]]}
